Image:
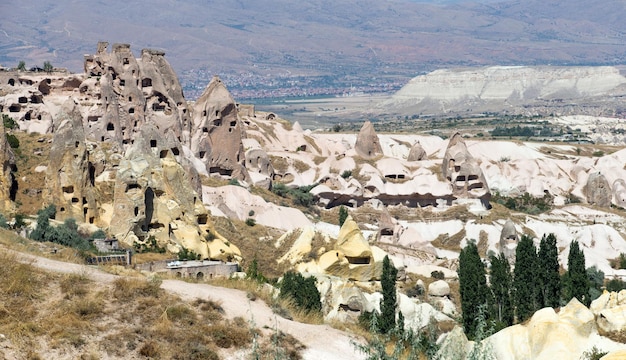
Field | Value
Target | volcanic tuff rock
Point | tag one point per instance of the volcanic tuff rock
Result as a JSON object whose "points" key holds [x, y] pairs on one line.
{"points": [[351, 258], [548, 335], [367, 143], [8, 183], [463, 171], [70, 175], [610, 311], [508, 241], [598, 190], [218, 132], [153, 198], [416, 153], [132, 92], [505, 87], [619, 192]]}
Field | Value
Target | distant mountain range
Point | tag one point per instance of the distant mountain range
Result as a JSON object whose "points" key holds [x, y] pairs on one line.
{"points": [[348, 43]]}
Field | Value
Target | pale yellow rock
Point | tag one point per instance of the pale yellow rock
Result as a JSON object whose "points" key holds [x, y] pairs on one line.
{"points": [[615, 355], [351, 241], [610, 311], [547, 335], [300, 248]]}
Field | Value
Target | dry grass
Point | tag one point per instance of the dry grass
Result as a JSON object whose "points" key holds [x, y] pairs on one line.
{"points": [[212, 181], [447, 242], [254, 242], [42, 313], [279, 163], [300, 165]]}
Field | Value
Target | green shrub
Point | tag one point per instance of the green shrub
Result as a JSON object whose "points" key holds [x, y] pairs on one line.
{"points": [[302, 290], [14, 143], [250, 222], [9, 122], [437, 275], [615, 285], [346, 174], [187, 254]]}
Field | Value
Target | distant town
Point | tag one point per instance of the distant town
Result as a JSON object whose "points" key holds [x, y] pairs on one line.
{"points": [[247, 86]]}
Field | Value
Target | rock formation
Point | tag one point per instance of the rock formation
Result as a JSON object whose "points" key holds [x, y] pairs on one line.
{"points": [[70, 175], [258, 164], [351, 258], [598, 190], [619, 192], [154, 198], [497, 87], [547, 335], [416, 153], [367, 143], [8, 183], [462, 170], [508, 241], [610, 311], [218, 132], [132, 92]]}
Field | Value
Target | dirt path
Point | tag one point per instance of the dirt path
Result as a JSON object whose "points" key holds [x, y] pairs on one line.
{"points": [[322, 341]]}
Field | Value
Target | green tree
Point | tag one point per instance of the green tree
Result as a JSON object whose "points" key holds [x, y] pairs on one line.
{"points": [[47, 67], [13, 141], [9, 122], [343, 214], [21, 66], [301, 290], [596, 282], [525, 278], [3, 222], [387, 321], [43, 229], [576, 281], [473, 287], [501, 282], [548, 276]]}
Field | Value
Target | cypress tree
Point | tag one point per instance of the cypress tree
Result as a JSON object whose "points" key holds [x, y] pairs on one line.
{"points": [[525, 281], [549, 271], [473, 287], [343, 215], [501, 289], [576, 281], [387, 320]]}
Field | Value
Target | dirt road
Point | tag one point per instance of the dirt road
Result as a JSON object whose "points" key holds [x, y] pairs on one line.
{"points": [[322, 341]]}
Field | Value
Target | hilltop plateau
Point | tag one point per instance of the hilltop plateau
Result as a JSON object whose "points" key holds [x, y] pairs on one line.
{"points": [[217, 185]]}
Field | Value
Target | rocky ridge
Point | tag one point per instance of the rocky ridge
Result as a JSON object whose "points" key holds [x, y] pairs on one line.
{"points": [[516, 89]]}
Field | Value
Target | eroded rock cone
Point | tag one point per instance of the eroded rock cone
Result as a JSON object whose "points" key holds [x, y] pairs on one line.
{"points": [[598, 190], [70, 175], [464, 172], [416, 153], [367, 143], [508, 241], [154, 198], [218, 132]]}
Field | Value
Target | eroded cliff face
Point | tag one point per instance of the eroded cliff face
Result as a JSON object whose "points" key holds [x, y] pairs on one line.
{"points": [[70, 175], [120, 156], [498, 87], [218, 132], [8, 183], [154, 198], [132, 92]]}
